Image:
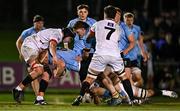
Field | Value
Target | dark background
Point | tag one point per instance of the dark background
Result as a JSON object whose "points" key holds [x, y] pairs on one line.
{"points": [[59, 12]]}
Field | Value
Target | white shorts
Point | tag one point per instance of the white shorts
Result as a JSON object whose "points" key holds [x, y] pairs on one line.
{"points": [[99, 63], [29, 50]]}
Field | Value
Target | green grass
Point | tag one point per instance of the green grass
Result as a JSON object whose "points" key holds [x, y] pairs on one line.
{"points": [[8, 51], [61, 101]]}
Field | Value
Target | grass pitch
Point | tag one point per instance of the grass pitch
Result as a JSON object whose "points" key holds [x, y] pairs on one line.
{"points": [[62, 102]]}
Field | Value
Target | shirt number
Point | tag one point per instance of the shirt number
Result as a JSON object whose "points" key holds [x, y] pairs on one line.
{"points": [[110, 32]]}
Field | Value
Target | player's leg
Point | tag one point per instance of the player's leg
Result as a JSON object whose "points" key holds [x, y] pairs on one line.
{"points": [[84, 88], [86, 59], [125, 80], [43, 86], [35, 86], [30, 55], [94, 69]]}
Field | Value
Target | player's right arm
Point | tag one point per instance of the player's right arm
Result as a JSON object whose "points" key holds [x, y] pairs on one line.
{"points": [[18, 45], [131, 44]]}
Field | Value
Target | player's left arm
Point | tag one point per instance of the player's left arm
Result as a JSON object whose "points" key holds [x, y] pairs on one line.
{"points": [[52, 49], [18, 45], [141, 45]]}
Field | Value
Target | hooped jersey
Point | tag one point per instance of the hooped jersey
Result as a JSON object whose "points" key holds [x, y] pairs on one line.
{"points": [[107, 34]]}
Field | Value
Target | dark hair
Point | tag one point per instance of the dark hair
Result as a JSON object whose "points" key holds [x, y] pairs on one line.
{"points": [[38, 18], [81, 24], [118, 10], [68, 32], [110, 11], [83, 6]]}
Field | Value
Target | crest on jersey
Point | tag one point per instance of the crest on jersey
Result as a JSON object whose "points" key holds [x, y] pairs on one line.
{"points": [[110, 24]]}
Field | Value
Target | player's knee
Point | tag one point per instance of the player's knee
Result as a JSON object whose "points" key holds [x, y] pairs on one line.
{"points": [[46, 76], [92, 74], [38, 69]]}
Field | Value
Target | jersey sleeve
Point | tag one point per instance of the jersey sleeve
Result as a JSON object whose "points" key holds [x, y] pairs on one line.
{"points": [[138, 28], [70, 24], [56, 36], [24, 34]]}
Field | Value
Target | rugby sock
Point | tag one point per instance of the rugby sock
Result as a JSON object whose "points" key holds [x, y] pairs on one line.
{"points": [[115, 95], [27, 80], [84, 88], [157, 92], [48, 70], [39, 98], [122, 93], [18, 88], [106, 94], [43, 85], [127, 86], [142, 93]]}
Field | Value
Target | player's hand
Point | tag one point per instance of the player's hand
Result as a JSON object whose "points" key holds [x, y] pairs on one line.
{"points": [[125, 52], [59, 69], [145, 56]]}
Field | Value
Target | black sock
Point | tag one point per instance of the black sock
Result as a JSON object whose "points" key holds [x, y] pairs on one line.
{"points": [[48, 70], [84, 88], [43, 85], [27, 80], [127, 86], [157, 92]]}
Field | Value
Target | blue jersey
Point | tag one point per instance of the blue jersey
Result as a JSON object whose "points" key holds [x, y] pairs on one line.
{"points": [[136, 31], [80, 43], [124, 43], [89, 21], [69, 58], [28, 32]]}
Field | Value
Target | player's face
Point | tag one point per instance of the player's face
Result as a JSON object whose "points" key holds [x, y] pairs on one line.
{"points": [[67, 39], [117, 17], [82, 13], [39, 25], [129, 21], [81, 32]]}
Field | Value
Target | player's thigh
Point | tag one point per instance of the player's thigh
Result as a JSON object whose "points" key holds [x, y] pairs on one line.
{"points": [[117, 64], [98, 63], [29, 52]]}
